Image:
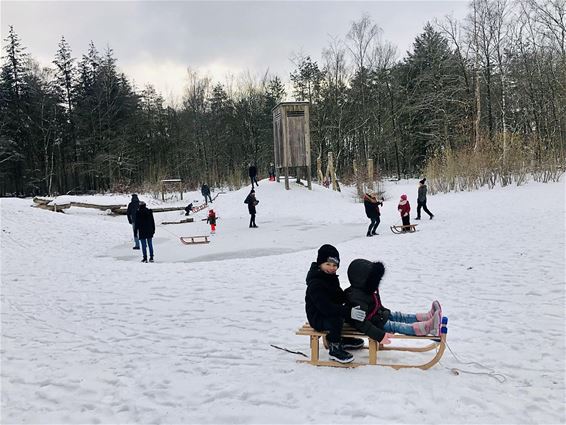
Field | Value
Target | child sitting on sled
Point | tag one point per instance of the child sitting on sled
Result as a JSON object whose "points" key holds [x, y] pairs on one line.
{"points": [[327, 306], [380, 322]]}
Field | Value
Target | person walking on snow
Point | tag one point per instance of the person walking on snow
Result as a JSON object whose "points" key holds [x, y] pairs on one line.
{"points": [[211, 219], [380, 322], [404, 208], [326, 304], [421, 200], [131, 213], [145, 225], [371, 205]]}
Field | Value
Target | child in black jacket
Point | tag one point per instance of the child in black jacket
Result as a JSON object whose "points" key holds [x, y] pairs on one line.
{"points": [[365, 277], [326, 304]]}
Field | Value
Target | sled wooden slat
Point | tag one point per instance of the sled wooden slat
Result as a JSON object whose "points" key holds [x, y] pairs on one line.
{"points": [[410, 228], [192, 240], [436, 342]]}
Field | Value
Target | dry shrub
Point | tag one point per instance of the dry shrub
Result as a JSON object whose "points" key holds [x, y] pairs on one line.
{"points": [[491, 163]]}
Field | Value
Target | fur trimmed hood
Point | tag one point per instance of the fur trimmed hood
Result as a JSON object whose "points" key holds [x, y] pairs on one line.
{"points": [[365, 275]]}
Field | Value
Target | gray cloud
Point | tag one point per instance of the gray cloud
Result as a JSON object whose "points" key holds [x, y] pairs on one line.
{"points": [[163, 38]]}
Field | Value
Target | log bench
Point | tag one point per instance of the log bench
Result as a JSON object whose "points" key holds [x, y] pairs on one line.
{"points": [[437, 343]]}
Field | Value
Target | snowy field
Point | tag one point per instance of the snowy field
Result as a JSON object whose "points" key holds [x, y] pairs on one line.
{"points": [[91, 335]]}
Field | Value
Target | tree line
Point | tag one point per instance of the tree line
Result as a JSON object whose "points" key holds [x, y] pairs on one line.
{"points": [[493, 83]]}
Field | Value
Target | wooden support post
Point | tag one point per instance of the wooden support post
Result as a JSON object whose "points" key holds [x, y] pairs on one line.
{"points": [[370, 174], [373, 347], [314, 348]]}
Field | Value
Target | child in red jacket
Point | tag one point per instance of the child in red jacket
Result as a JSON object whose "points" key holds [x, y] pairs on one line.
{"points": [[404, 208], [212, 220]]}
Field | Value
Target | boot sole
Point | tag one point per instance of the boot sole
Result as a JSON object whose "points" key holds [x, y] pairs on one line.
{"points": [[336, 359]]}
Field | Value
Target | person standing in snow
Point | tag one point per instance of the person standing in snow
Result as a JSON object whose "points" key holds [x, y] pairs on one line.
{"points": [[145, 225], [211, 219], [252, 202], [326, 304], [380, 322], [421, 200], [205, 191], [252, 172], [404, 208], [371, 205], [271, 172], [131, 213]]}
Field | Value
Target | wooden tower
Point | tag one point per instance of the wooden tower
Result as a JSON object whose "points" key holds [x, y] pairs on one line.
{"points": [[291, 141]]}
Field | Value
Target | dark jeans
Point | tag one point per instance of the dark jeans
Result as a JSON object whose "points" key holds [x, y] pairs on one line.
{"points": [[147, 243], [252, 220], [406, 221], [423, 206], [207, 196], [334, 327], [253, 180], [373, 225]]}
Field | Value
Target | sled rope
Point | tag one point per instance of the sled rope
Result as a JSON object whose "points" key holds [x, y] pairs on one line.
{"points": [[289, 351], [499, 377]]}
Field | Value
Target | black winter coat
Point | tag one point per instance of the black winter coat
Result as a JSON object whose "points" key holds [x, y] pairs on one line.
{"points": [[252, 202], [372, 208], [324, 298], [145, 225], [133, 207], [365, 277], [252, 171]]}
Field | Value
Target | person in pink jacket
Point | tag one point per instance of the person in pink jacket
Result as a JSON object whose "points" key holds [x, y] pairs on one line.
{"points": [[404, 209]]}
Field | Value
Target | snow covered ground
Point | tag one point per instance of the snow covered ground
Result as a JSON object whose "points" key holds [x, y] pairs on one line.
{"points": [[91, 335]]}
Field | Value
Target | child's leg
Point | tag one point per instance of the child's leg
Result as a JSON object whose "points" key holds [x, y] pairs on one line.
{"points": [[334, 327], [399, 328], [397, 316]]}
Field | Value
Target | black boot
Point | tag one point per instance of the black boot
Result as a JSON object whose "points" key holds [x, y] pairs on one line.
{"points": [[337, 353], [352, 343], [144, 260]]}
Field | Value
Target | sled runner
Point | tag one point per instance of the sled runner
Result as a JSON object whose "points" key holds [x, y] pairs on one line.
{"points": [[410, 228], [437, 343], [186, 220], [192, 240]]}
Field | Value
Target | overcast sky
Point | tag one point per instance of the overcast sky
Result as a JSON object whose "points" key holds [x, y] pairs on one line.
{"points": [[155, 41]]}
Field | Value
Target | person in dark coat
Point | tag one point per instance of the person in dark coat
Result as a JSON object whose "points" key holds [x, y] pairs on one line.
{"points": [[271, 172], [371, 205], [205, 191], [211, 219], [189, 209], [252, 202], [326, 304], [131, 213], [252, 172], [145, 225], [421, 200], [380, 322]]}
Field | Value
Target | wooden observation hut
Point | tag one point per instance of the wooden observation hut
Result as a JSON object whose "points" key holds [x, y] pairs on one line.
{"points": [[291, 141]]}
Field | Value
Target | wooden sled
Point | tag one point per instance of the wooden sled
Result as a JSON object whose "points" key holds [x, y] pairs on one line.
{"points": [[186, 220], [437, 343], [199, 208], [411, 228], [192, 240]]}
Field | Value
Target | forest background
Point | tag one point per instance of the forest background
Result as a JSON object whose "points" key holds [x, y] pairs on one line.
{"points": [[475, 102]]}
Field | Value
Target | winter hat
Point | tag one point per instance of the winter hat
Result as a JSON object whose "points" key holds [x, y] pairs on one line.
{"points": [[252, 191], [404, 197], [365, 274], [422, 181], [134, 196], [142, 204], [328, 254]]}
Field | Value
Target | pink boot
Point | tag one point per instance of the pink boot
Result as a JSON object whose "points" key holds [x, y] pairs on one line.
{"points": [[429, 327], [423, 317]]}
